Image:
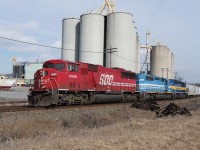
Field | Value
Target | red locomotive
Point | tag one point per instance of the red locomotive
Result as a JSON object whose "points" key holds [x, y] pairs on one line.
{"points": [[63, 82]]}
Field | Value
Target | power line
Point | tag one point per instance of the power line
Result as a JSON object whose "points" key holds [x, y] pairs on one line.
{"points": [[46, 46], [127, 59], [41, 45]]}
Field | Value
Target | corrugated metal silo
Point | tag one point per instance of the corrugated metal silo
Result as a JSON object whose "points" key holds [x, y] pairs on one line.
{"points": [[120, 36], [91, 39], [159, 61], [70, 39]]}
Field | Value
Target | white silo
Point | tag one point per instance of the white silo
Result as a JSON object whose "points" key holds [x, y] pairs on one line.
{"points": [[159, 61], [120, 35], [70, 39], [91, 39]]}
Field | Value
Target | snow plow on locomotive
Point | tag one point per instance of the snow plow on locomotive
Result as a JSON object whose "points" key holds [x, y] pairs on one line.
{"points": [[66, 83]]}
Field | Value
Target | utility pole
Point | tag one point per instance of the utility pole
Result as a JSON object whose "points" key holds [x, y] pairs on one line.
{"points": [[167, 72], [110, 51], [176, 75], [147, 67], [162, 71]]}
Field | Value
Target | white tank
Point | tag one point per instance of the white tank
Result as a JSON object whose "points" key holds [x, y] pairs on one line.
{"points": [[159, 61], [120, 35], [70, 39], [91, 39]]}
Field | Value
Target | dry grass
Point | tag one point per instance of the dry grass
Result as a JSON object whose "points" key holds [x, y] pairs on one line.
{"points": [[122, 128]]}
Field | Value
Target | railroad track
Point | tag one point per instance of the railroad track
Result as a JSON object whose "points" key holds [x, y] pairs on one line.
{"points": [[27, 108], [13, 103], [15, 106]]}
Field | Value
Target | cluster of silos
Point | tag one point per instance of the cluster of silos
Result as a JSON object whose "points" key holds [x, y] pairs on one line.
{"points": [[162, 62], [110, 40]]}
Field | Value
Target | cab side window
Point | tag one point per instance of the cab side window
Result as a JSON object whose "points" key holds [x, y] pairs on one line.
{"points": [[149, 78], [60, 66], [72, 67]]}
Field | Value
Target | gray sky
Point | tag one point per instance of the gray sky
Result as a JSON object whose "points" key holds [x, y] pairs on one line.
{"points": [[173, 23]]}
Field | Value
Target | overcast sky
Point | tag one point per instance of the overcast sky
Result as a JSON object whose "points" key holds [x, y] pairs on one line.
{"points": [[175, 23]]}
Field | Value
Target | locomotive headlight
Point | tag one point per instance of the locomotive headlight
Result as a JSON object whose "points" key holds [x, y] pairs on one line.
{"points": [[53, 74], [41, 72]]}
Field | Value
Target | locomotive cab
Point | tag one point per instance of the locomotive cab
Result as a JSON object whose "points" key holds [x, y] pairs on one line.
{"points": [[151, 86], [50, 80], [178, 88]]}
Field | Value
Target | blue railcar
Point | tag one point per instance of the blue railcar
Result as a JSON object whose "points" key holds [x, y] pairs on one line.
{"points": [[149, 87]]}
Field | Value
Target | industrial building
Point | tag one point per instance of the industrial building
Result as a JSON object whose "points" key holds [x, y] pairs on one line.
{"points": [[24, 71]]}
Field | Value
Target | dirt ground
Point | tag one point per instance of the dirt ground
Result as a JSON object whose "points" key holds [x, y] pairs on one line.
{"points": [[109, 127]]}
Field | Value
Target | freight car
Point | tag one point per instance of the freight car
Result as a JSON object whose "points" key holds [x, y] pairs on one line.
{"points": [[193, 90], [63, 82]]}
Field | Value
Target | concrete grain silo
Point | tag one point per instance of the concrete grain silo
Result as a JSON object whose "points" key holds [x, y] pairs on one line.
{"points": [[120, 35], [91, 39], [70, 39], [159, 61]]}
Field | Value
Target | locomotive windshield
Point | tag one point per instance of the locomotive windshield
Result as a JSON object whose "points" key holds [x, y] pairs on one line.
{"points": [[60, 66], [177, 83], [55, 66], [50, 65]]}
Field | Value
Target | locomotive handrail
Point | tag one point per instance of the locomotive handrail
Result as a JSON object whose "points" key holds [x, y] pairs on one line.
{"points": [[51, 85], [56, 85]]}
